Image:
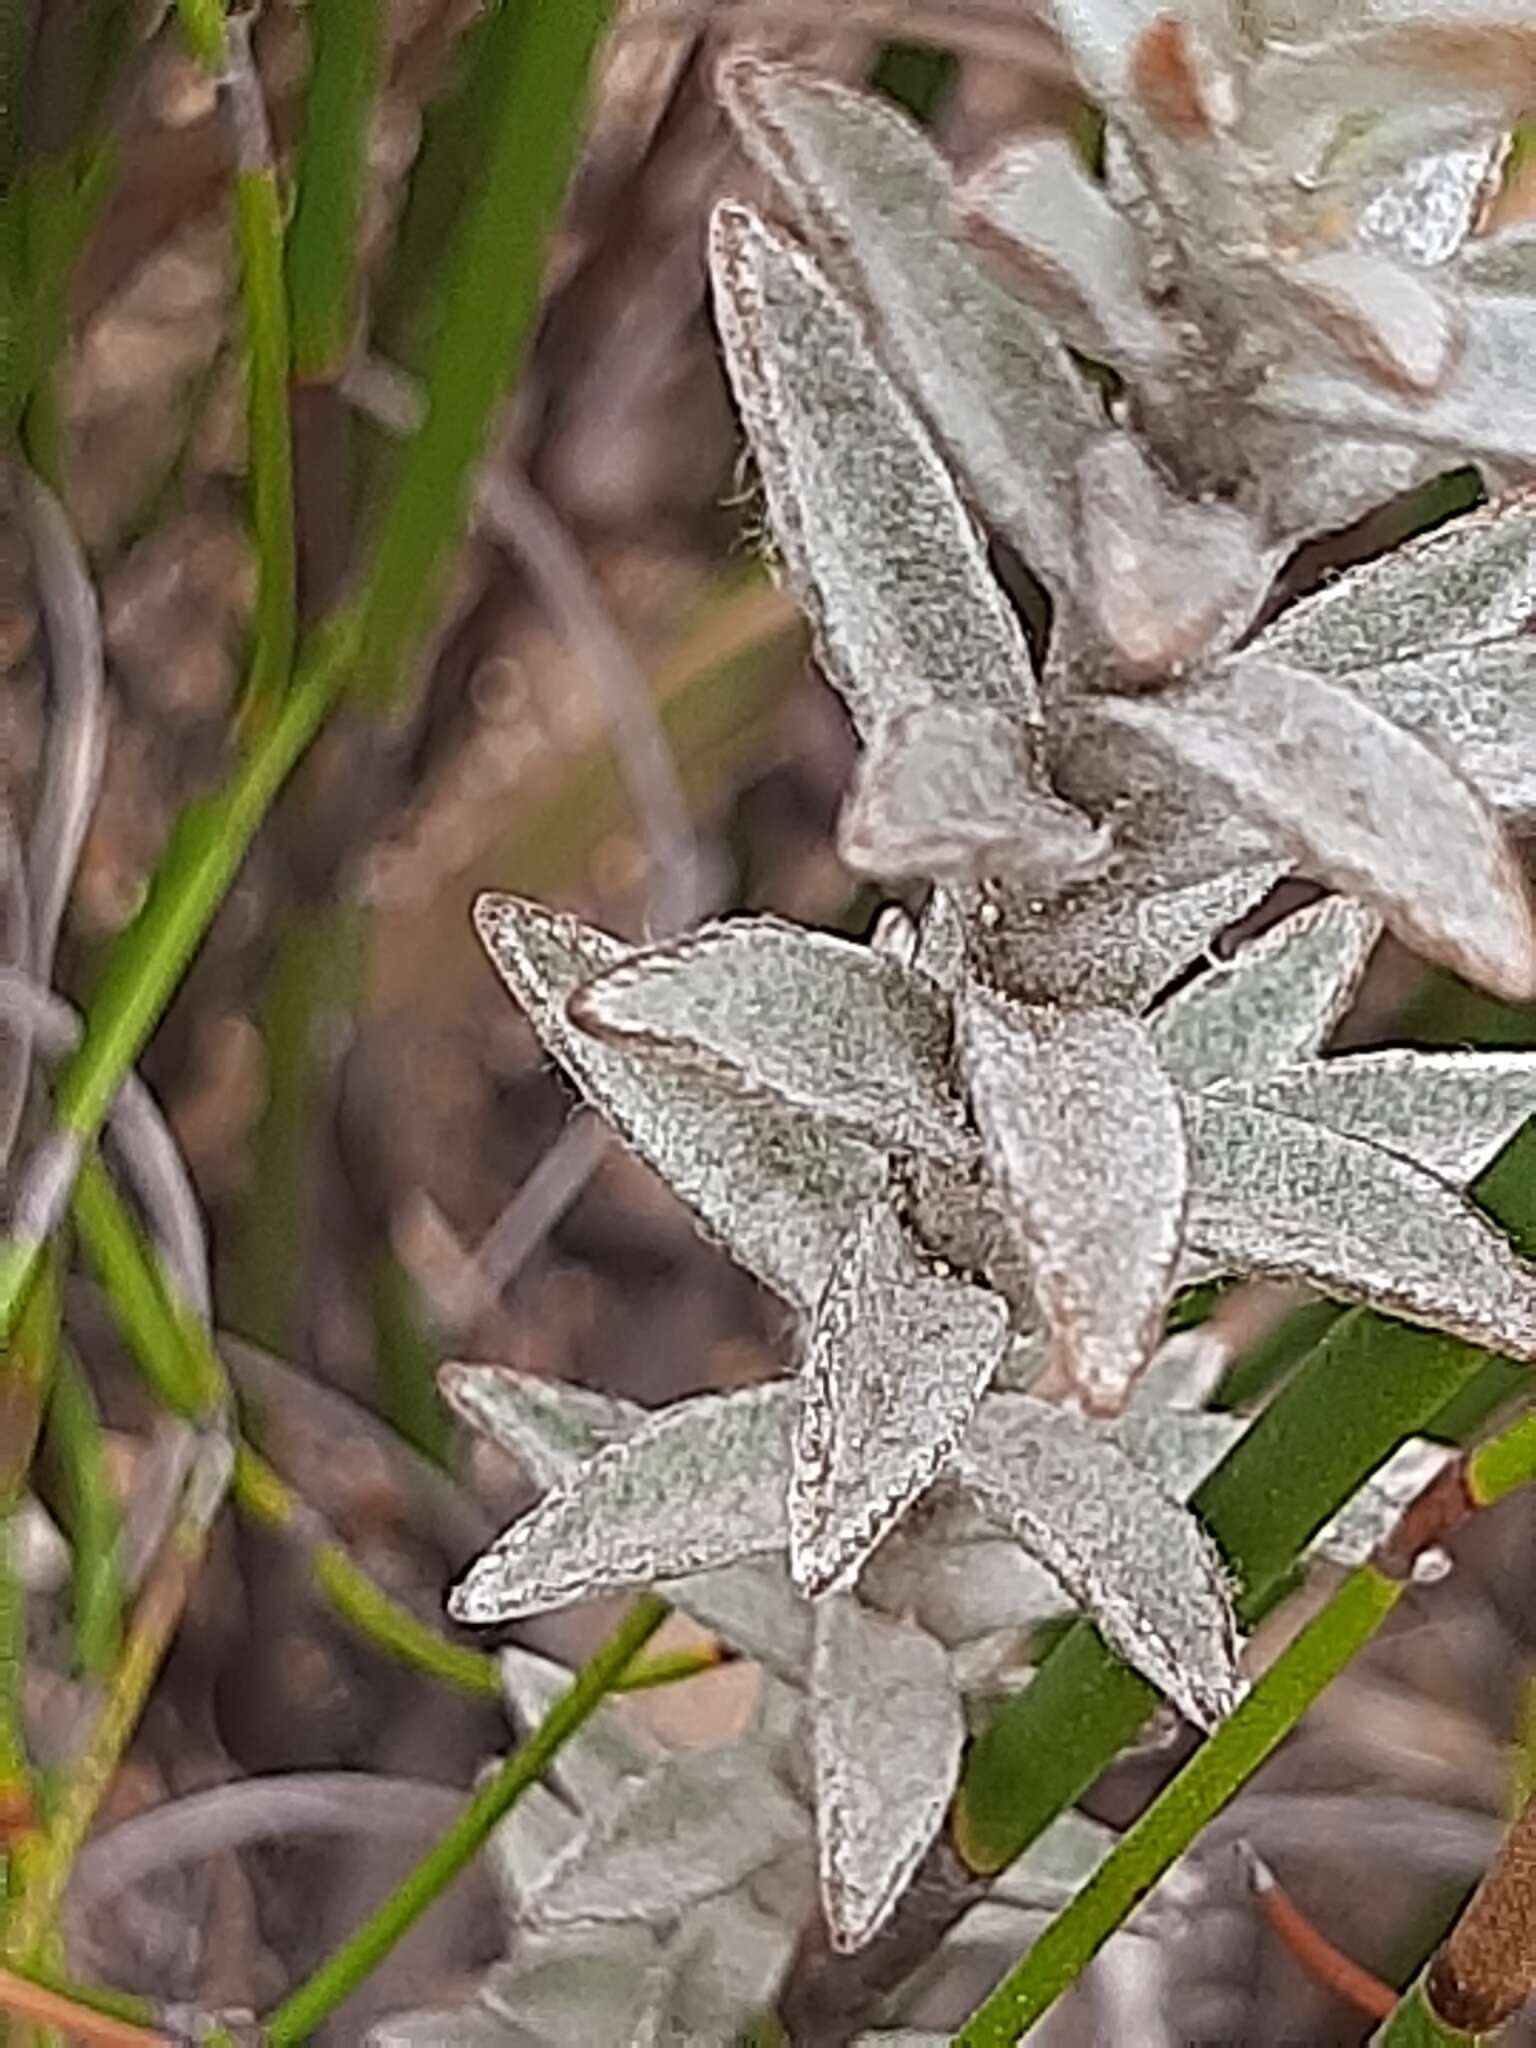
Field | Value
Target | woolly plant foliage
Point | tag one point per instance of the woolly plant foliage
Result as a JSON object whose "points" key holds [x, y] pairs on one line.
{"points": [[977, 1158]]}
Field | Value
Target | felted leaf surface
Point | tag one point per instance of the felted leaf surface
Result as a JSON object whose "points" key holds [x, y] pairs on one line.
{"points": [[1366, 805], [1273, 1194], [887, 1731], [1479, 703], [1383, 318], [601, 1984], [876, 202], [897, 1359], [699, 1486], [1371, 1515], [1277, 1001], [607, 1753], [779, 1191], [695, 1827], [1451, 1113], [1131, 1556], [831, 1028], [728, 1960], [1082, 1130]]}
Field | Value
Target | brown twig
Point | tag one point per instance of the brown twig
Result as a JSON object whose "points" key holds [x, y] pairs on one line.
{"points": [[28, 2001], [1486, 1967], [1317, 1955]]}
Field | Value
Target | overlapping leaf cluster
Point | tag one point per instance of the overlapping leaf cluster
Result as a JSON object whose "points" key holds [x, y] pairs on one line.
{"points": [[979, 1157]]}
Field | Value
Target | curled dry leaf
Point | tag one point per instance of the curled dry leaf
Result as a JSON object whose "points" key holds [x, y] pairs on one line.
{"points": [[897, 1358], [887, 1732], [1082, 1130]]}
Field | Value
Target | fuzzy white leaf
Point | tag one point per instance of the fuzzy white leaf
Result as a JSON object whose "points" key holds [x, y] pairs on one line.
{"points": [[897, 1359], [942, 939], [1082, 1130], [1423, 213], [553, 1427], [958, 795], [1135, 1559], [1451, 1113], [950, 1570], [730, 1956], [1504, 261], [876, 201], [1374, 1511], [1478, 703], [895, 934], [1468, 583], [1273, 1194], [803, 1017], [887, 1731], [598, 1984], [699, 1486], [779, 1191], [1366, 805], [1276, 1001], [1381, 317], [463, 2026], [607, 1753], [695, 1827]]}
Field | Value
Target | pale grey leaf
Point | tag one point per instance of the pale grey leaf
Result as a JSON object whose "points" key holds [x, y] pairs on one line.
{"points": [[1459, 587], [1167, 581], [942, 939], [1056, 1865], [1277, 1000], [535, 1834], [832, 1028], [608, 1751], [753, 1607], [1423, 213], [579, 1988], [1367, 806], [887, 1729], [1273, 1194], [1384, 319], [950, 1570], [898, 1355], [895, 934], [1082, 1130], [465, 2026], [699, 1486], [1071, 251], [879, 546], [1373, 1512], [1177, 1446], [1451, 1113], [779, 1191], [1478, 703], [1504, 261], [958, 794], [876, 201], [1135, 1559], [729, 1958], [549, 1426], [695, 1827]]}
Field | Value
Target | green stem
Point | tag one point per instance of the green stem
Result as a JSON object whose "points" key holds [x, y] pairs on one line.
{"points": [[259, 237], [1218, 1770], [336, 1980], [1415, 2024], [95, 1525], [346, 41]]}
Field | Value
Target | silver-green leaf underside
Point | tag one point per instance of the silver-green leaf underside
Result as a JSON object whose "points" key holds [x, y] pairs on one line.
{"points": [[1082, 1131], [1273, 1194], [897, 1358], [1131, 1556], [887, 1732], [779, 1191], [697, 1487], [801, 1017], [1276, 1002]]}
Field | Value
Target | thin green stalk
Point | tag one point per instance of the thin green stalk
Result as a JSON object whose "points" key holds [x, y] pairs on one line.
{"points": [[1416, 2025], [335, 1981], [117, 2005], [28, 1368], [264, 312], [541, 53], [406, 1359], [1199, 1792], [94, 1523], [346, 43]]}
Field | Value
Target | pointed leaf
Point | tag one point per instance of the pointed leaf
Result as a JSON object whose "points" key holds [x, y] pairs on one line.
{"points": [[607, 1753], [1371, 1515], [957, 795], [1383, 318], [1278, 1000], [876, 201], [1424, 213], [888, 1729], [701, 1485], [1272, 1194], [950, 1570], [1082, 1130], [695, 1827], [1451, 1113], [803, 1017], [1367, 806], [898, 1356], [1476, 703], [1125, 1550], [593, 1984], [942, 940], [729, 1959], [776, 1189]]}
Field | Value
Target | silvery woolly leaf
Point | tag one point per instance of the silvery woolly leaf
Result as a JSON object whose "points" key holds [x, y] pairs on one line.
{"points": [[701, 1485], [1479, 704], [1423, 213], [1278, 999], [1082, 1130], [897, 1358], [552, 1427], [1070, 250], [957, 795], [1381, 317], [876, 201], [953, 1572], [728, 1960], [695, 1827], [894, 935], [1272, 1194], [832, 1028], [942, 938], [887, 1731], [1130, 1555], [1167, 581], [609, 1751], [595, 1984], [1366, 805], [1451, 1113], [777, 1190]]}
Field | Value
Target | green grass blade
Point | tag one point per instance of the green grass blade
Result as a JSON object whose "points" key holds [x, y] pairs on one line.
{"points": [[346, 44]]}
